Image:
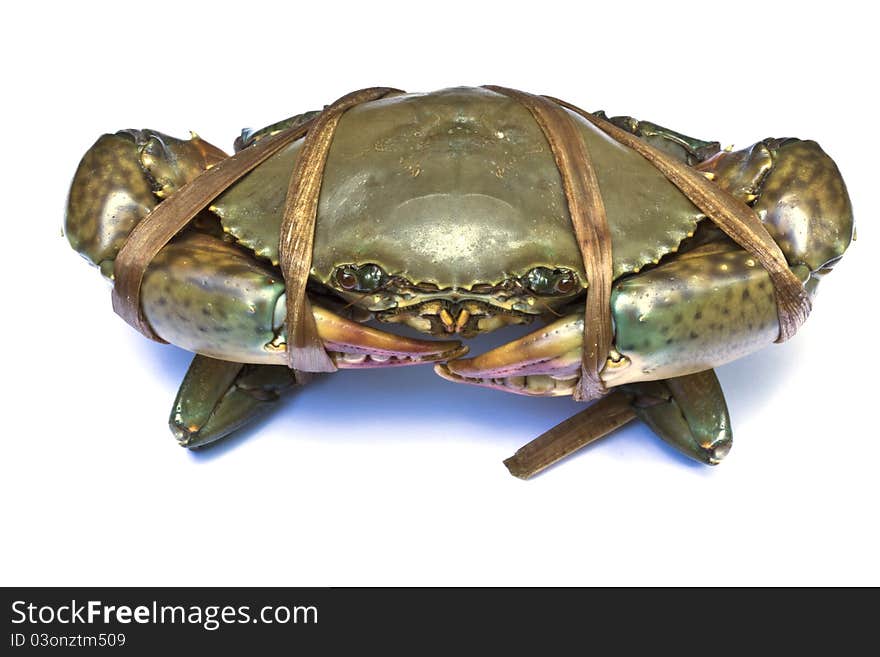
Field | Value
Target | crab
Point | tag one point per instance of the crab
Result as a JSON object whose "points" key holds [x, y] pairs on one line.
{"points": [[445, 212]]}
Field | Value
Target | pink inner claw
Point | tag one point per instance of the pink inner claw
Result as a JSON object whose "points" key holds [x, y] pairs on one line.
{"points": [[355, 346], [543, 363]]}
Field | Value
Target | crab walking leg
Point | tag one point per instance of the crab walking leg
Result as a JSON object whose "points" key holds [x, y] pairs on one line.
{"points": [[688, 412], [687, 149], [214, 298], [217, 397]]}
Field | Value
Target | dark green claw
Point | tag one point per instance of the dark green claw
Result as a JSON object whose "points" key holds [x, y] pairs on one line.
{"points": [[217, 397]]}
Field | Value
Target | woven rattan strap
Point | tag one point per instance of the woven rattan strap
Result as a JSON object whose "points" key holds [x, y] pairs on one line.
{"points": [[583, 196]]}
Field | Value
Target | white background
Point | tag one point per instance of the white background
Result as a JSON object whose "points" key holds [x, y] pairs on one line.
{"points": [[395, 477]]}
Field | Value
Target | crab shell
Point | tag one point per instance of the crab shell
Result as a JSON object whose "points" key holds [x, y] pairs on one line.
{"points": [[456, 196]]}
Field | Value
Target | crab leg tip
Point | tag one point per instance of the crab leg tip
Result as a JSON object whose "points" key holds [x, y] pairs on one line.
{"points": [[181, 435], [719, 451]]}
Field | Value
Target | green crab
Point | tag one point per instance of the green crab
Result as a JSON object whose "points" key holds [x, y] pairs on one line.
{"points": [[445, 212]]}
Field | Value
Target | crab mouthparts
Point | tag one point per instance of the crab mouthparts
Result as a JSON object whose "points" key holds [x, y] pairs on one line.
{"points": [[465, 318]]}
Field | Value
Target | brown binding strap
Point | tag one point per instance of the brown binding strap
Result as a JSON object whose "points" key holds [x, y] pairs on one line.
{"points": [[738, 220], [305, 350], [591, 231], [597, 420]]}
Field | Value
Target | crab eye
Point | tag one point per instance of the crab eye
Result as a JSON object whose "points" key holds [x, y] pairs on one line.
{"points": [[566, 283], [364, 278], [346, 278], [545, 281]]}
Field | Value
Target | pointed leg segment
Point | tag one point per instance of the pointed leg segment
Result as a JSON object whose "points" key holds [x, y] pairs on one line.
{"points": [[217, 397], [688, 412], [688, 149]]}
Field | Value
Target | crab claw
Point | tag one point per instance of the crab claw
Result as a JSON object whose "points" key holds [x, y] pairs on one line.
{"points": [[545, 363], [354, 346], [212, 298]]}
